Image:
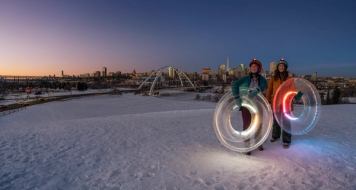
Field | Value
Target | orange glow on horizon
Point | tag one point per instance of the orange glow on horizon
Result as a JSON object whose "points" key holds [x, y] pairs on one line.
{"points": [[40, 69]]}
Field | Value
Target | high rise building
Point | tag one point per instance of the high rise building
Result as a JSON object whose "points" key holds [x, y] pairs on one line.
{"points": [[85, 75], [96, 74], [272, 68], [104, 72], [241, 71], [206, 72], [232, 72], [242, 67], [227, 64], [314, 76], [171, 73], [222, 69]]}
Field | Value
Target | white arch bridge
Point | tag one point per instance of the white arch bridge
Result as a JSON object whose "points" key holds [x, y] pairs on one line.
{"points": [[155, 80]]}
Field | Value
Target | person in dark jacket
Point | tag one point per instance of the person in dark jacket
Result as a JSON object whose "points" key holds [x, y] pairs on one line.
{"points": [[256, 83]]}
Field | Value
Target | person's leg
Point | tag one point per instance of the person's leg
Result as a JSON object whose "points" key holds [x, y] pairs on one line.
{"points": [[260, 148], [246, 119], [286, 137], [276, 131], [259, 134]]}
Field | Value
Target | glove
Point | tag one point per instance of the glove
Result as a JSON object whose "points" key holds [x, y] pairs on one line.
{"points": [[238, 102], [298, 96], [253, 92]]}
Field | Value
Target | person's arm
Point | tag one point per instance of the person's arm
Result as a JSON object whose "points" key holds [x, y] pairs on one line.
{"points": [[299, 94], [264, 86], [269, 90], [235, 88]]}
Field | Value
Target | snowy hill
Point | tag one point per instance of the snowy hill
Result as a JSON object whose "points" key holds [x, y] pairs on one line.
{"points": [[137, 142]]}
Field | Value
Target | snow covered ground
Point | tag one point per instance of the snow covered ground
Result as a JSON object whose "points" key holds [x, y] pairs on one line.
{"points": [[141, 142], [351, 100], [21, 97]]}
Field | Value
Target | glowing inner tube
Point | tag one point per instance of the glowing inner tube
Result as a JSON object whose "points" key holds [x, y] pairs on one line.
{"points": [[227, 118], [250, 131], [287, 104], [285, 109]]}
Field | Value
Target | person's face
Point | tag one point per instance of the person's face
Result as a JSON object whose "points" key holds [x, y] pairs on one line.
{"points": [[281, 68], [254, 68]]}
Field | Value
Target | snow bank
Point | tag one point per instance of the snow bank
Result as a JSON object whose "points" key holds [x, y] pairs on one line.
{"points": [[351, 100], [19, 97]]}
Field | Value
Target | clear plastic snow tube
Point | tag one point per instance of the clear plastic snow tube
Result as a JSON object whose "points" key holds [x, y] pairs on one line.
{"points": [[296, 116], [228, 121]]}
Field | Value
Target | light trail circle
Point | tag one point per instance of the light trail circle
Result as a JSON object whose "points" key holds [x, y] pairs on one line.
{"points": [[297, 118], [252, 137]]}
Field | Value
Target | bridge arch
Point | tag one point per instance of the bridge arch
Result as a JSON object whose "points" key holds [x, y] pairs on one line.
{"points": [[156, 74]]}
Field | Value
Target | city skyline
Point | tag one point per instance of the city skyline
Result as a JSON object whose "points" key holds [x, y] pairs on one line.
{"points": [[45, 37], [231, 71]]}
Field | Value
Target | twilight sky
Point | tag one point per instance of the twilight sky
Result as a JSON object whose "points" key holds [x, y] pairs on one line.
{"points": [[42, 37]]}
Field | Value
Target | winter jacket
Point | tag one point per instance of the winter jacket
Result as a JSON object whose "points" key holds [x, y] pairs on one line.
{"points": [[273, 85], [244, 83]]}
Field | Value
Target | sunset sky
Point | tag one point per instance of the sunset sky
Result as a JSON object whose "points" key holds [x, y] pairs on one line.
{"points": [[43, 37]]}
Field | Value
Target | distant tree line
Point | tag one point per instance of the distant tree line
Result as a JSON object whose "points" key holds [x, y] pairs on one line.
{"points": [[8, 86], [333, 96]]}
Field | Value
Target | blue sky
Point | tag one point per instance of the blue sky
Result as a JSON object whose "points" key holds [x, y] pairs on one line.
{"points": [[81, 36]]}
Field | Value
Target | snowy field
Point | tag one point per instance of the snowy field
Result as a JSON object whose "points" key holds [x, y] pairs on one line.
{"points": [[140, 142], [13, 98]]}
